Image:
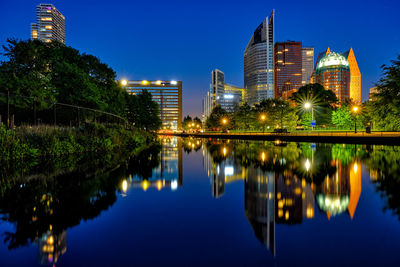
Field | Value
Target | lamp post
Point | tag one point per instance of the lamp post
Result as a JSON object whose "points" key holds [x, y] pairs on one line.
{"points": [[224, 122], [263, 118], [355, 109], [309, 105]]}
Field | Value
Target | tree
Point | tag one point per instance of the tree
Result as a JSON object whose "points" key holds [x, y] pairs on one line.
{"points": [[214, 121], [385, 109], [143, 111], [279, 114], [322, 101], [52, 72], [243, 117], [187, 121]]}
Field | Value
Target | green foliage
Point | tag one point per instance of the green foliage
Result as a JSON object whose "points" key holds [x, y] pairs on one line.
{"points": [[243, 117], [143, 111], [343, 118], [45, 141], [279, 114], [52, 72], [322, 101], [214, 121], [384, 110]]}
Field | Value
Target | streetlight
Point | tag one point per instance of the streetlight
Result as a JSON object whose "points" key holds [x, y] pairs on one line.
{"points": [[355, 109], [224, 121], [309, 105], [263, 118], [124, 82]]}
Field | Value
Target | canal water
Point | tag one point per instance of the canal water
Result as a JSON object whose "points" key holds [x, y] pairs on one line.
{"points": [[206, 202]]}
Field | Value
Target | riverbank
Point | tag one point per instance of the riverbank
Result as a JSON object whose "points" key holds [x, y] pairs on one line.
{"points": [[384, 138], [48, 141]]}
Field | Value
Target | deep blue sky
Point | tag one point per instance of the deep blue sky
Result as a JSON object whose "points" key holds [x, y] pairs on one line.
{"points": [[185, 40]]}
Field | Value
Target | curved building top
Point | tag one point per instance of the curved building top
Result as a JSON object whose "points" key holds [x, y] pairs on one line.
{"points": [[332, 60]]}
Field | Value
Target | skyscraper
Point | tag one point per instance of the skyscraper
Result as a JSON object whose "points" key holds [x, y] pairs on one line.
{"points": [[221, 93], [50, 24], [355, 76], [259, 62], [333, 72], [307, 64], [288, 67]]}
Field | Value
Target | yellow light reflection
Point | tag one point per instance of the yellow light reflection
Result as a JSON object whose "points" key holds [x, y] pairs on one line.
{"points": [[355, 167], [159, 185], [145, 185], [124, 185]]}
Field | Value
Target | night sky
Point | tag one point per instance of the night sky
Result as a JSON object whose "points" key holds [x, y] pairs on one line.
{"points": [[185, 40]]}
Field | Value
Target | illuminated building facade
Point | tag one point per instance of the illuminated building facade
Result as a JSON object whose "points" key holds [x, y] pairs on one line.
{"points": [[168, 94], [307, 64], [50, 24], [372, 92], [259, 62], [288, 67], [221, 93], [355, 76], [333, 72]]}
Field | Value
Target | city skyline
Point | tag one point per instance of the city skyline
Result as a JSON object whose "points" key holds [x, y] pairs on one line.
{"points": [[315, 26]]}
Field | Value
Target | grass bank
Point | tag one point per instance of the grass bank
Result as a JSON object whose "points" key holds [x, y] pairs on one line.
{"points": [[48, 141]]}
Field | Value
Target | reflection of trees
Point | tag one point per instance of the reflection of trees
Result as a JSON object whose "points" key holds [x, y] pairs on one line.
{"points": [[143, 163], [54, 201], [384, 166]]}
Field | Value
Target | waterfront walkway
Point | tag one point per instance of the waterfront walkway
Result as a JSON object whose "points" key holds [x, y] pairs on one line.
{"points": [[387, 138]]}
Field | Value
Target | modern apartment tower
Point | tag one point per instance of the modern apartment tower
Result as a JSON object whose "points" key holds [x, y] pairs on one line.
{"points": [[168, 94], [307, 64], [288, 67], [259, 62], [50, 24]]}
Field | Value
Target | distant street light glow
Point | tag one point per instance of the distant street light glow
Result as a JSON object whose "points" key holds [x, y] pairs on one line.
{"points": [[124, 82]]}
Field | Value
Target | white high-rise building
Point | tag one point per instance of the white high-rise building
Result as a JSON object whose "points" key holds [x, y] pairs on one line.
{"points": [[307, 64], [50, 24], [259, 62]]}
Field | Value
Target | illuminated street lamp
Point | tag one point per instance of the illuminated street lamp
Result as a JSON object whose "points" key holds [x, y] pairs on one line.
{"points": [[263, 118], [355, 110], [224, 121], [308, 105], [124, 82]]}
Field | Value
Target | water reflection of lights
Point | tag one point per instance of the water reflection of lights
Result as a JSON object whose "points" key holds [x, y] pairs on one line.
{"points": [[307, 165], [229, 170], [145, 185], [124, 186], [174, 184], [334, 204], [355, 167], [224, 151], [263, 156]]}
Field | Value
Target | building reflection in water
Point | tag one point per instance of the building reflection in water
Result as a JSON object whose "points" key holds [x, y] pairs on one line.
{"points": [[168, 174], [52, 247], [277, 186]]}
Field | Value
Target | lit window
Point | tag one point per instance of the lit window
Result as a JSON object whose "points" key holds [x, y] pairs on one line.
{"points": [[46, 19]]}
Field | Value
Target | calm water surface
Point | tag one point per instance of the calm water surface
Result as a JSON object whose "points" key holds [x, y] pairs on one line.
{"points": [[214, 202]]}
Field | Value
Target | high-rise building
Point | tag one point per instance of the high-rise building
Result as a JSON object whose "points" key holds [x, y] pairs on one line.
{"points": [[355, 76], [50, 24], [372, 92], [307, 64], [168, 94], [259, 62], [333, 72], [288, 67], [354, 79], [221, 93]]}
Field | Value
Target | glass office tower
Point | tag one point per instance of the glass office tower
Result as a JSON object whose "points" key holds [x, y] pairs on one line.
{"points": [[259, 62], [50, 24]]}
